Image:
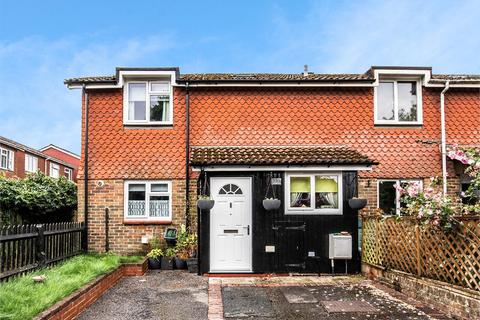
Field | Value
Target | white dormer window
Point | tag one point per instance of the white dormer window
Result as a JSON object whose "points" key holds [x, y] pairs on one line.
{"points": [[398, 102], [148, 102]]}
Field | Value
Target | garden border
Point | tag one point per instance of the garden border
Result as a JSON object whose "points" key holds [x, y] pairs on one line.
{"points": [[72, 305]]}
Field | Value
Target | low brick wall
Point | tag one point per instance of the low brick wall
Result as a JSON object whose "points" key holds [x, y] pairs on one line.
{"points": [[74, 304], [452, 300]]}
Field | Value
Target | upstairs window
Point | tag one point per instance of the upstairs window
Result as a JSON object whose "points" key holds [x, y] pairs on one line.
{"points": [[398, 102], [54, 170], [148, 102], [6, 159], [31, 163], [68, 173]]}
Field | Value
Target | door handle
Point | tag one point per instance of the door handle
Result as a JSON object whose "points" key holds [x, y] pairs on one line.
{"points": [[248, 230]]}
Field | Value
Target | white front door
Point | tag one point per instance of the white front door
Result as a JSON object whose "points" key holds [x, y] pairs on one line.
{"points": [[231, 224]]}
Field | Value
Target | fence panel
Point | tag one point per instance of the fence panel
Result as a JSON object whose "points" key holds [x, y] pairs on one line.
{"points": [[424, 250], [26, 247]]}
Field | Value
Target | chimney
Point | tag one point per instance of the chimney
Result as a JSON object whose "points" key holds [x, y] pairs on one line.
{"points": [[305, 70]]}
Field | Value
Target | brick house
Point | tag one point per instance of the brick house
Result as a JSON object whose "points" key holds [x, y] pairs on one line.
{"points": [[157, 138], [18, 160], [69, 157]]}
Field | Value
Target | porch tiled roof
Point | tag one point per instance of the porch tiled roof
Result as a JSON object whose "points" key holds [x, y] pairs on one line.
{"points": [[278, 155]]}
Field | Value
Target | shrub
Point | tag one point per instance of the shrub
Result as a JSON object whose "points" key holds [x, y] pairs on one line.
{"points": [[37, 199]]}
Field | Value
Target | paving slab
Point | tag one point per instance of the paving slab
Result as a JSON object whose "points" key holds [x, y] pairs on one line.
{"points": [[298, 295], [246, 302], [349, 306]]}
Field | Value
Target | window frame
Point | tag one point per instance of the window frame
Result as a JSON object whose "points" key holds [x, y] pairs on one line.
{"points": [[397, 194], [27, 162], [10, 159], [146, 218], [395, 121], [312, 210], [148, 94], [52, 164], [69, 173]]}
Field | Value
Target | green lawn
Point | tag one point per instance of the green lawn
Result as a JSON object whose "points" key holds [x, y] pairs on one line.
{"points": [[21, 298]]}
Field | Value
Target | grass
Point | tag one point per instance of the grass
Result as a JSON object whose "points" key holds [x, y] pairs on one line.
{"points": [[21, 298]]}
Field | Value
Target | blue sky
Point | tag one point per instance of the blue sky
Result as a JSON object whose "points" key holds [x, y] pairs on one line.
{"points": [[43, 42]]}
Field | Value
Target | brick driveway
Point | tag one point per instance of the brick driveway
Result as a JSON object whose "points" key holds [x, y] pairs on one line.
{"points": [[180, 295]]}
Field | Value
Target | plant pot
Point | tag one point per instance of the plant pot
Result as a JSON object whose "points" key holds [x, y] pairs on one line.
{"points": [[357, 203], [154, 263], [167, 263], [180, 263], [192, 265], [271, 204], [205, 204]]}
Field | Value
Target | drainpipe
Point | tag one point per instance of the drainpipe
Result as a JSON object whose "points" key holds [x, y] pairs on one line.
{"points": [[85, 170], [444, 137], [187, 158]]}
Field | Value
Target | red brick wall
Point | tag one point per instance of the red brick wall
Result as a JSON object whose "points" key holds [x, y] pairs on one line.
{"points": [[74, 162], [19, 164]]}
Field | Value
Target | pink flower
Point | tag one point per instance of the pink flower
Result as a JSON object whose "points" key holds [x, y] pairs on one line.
{"points": [[462, 194], [436, 222]]}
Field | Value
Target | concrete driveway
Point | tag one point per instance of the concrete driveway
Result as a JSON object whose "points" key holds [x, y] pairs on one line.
{"points": [[180, 295]]}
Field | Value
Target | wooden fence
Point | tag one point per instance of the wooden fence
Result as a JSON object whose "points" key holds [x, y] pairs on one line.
{"points": [[425, 251], [26, 247]]}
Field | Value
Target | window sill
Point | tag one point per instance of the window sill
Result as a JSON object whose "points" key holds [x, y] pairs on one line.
{"points": [[398, 125], [146, 222], [307, 213], [147, 125]]}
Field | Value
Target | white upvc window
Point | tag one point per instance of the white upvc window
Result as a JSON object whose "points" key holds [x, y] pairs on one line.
{"points": [[148, 200], [389, 197], [68, 173], [148, 102], [313, 193], [398, 102], [54, 170], [6, 159], [31, 163]]}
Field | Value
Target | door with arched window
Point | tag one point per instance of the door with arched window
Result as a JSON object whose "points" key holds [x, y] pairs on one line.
{"points": [[230, 224]]}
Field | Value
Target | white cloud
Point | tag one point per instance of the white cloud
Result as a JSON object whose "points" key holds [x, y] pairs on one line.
{"points": [[35, 107]]}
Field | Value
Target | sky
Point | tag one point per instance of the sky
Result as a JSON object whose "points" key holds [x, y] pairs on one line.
{"points": [[44, 42]]}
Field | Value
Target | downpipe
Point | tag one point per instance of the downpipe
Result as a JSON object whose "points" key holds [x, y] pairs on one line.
{"points": [[444, 137]]}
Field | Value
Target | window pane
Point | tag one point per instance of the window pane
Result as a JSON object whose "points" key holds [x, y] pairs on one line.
{"points": [[387, 199], [159, 206], [300, 190], [137, 101], [159, 187], [136, 199], [385, 105], [326, 192], [3, 161], [407, 101], [163, 87], [159, 108]]}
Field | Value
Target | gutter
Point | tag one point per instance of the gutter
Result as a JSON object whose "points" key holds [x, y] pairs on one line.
{"points": [[444, 137]]}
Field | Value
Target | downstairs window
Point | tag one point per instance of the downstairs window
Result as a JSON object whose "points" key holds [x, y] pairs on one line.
{"points": [[148, 200], [388, 197], [316, 193]]}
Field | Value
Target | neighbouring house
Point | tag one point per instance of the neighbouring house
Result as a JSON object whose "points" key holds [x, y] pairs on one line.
{"points": [[154, 139], [18, 160], [69, 157]]}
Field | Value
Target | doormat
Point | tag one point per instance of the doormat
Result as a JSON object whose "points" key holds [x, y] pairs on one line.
{"points": [[349, 306], [298, 295], [244, 302]]}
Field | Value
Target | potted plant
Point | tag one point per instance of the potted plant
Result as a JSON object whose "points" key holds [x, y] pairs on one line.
{"points": [[191, 253], [167, 260], [181, 248], [271, 204], [205, 203], [357, 203], [155, 258]]}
